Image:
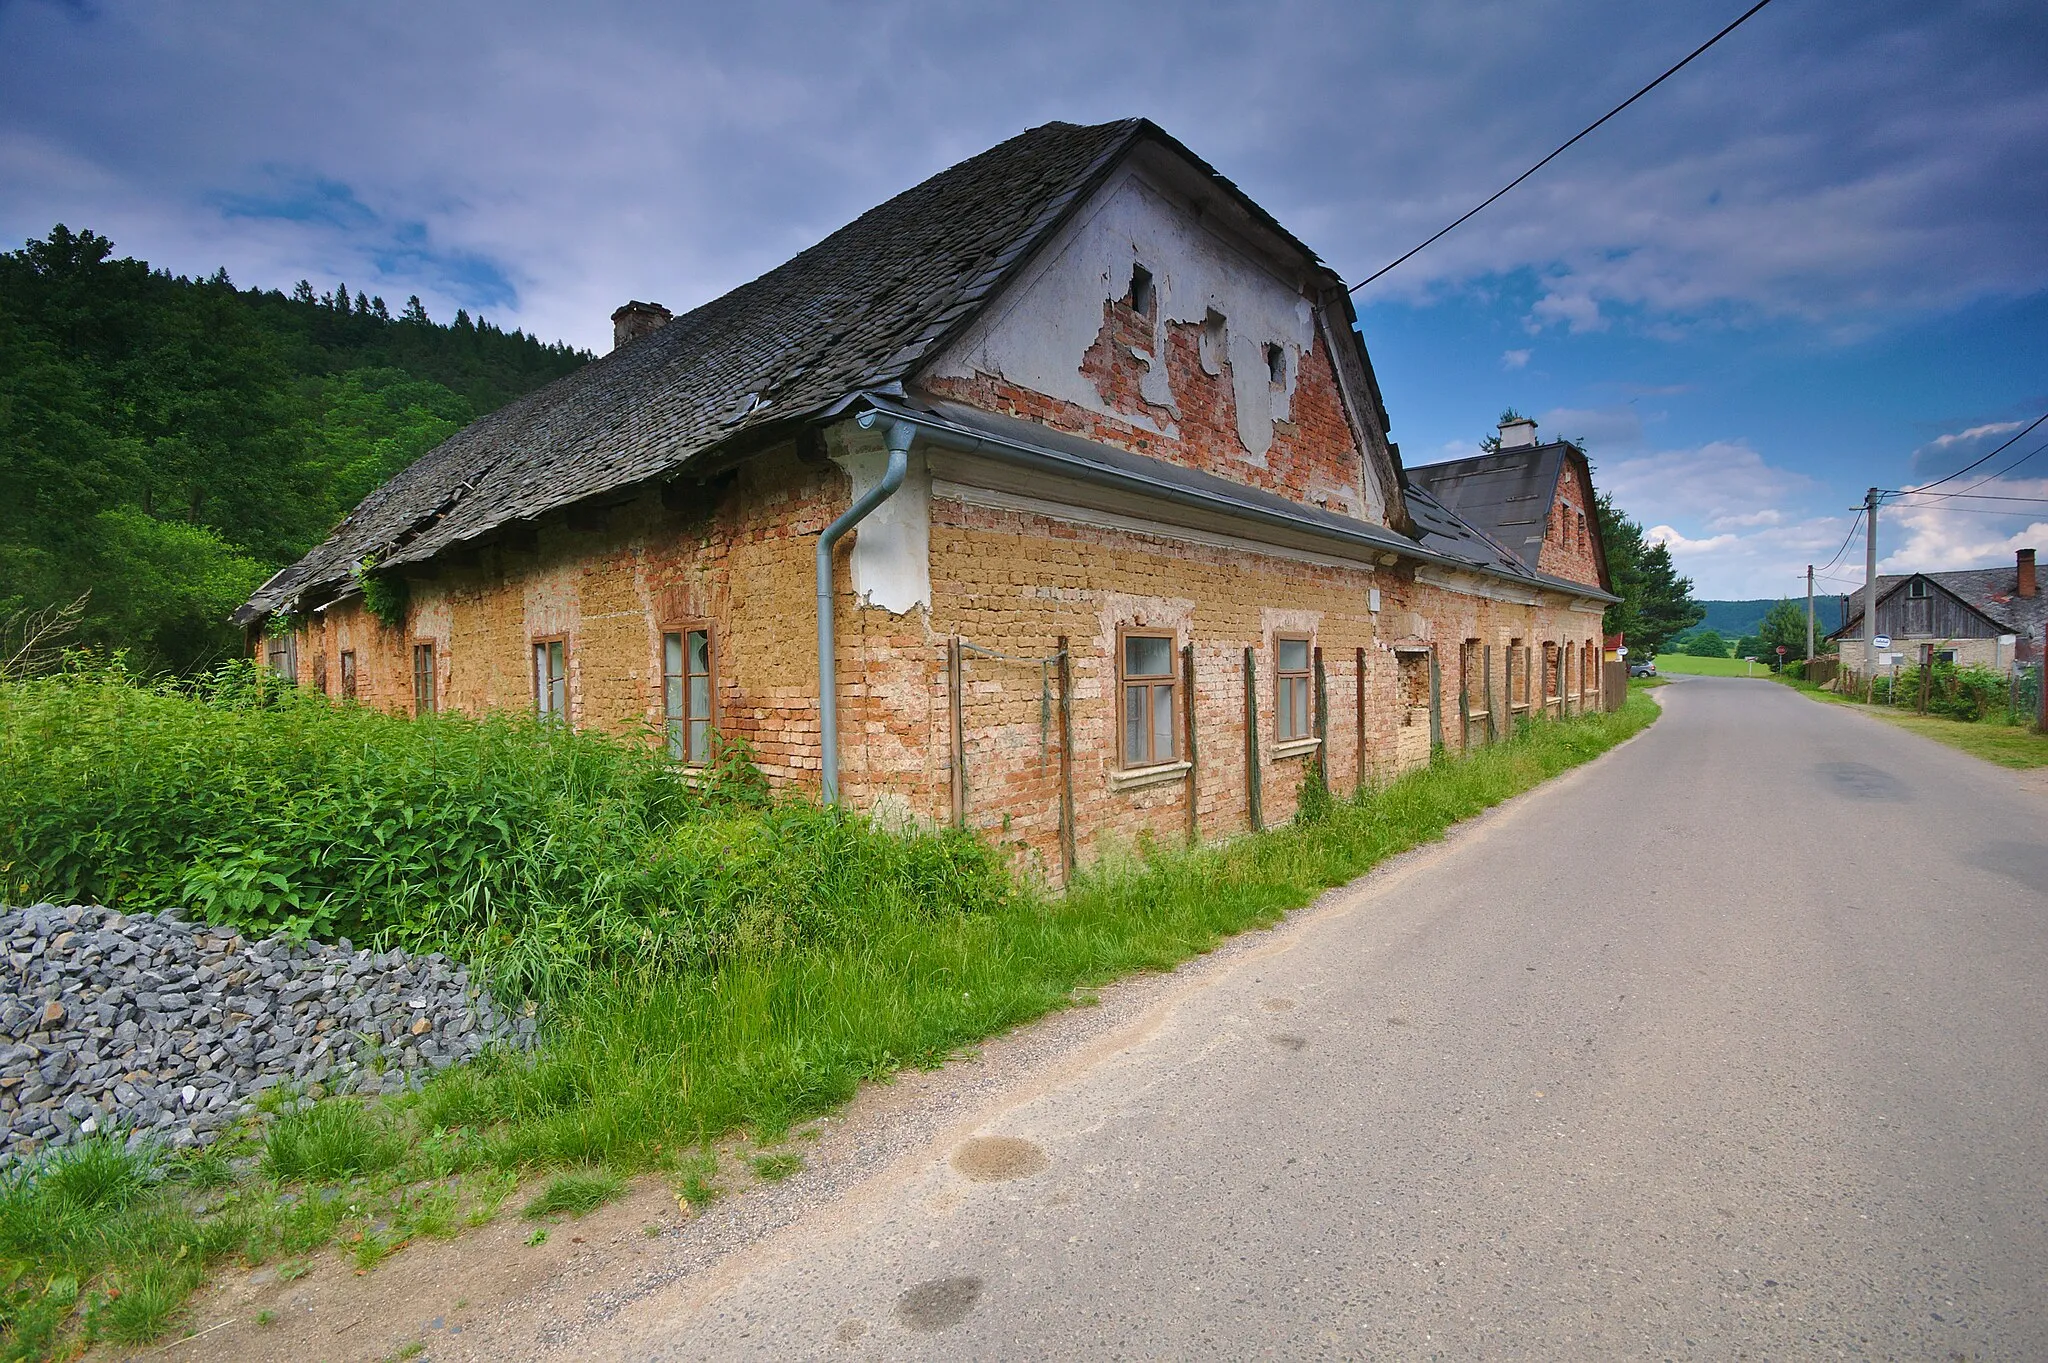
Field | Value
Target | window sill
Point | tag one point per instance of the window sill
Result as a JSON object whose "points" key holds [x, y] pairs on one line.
{"points": [[1136, 778], [1293, 747]]}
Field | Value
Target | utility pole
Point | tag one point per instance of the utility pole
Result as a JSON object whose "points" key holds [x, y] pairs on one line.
{"points": [[1809, 616], [1870, 597]]}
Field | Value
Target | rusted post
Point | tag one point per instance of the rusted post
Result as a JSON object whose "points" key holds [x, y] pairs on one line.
{"points": [[1360, 683], [956, 695], [1464, 698], [1252, 781], [1322, 722], [1436, 707], [1187, 687], [1492, 710], [1067, 840], [1926, 674]]}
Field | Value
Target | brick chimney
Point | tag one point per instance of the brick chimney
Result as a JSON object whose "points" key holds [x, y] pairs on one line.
{"points": [[636, 319], [2028, 585], [1517, 434]]}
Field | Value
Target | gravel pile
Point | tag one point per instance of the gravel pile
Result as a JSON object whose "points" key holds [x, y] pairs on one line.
{"points": [[146, 1024]]}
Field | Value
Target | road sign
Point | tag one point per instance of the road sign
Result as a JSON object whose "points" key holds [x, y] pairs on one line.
{"points": [[1781, 650], [1621, 652], [1882, 641]]}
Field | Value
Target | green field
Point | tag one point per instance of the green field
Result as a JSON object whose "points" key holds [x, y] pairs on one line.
{"points": [[1684, 665]]}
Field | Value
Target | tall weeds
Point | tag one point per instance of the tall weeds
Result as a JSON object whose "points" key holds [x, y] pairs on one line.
{"points": [[536, 852]]}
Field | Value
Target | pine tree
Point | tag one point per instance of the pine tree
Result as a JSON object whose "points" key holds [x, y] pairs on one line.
{"points": [[302, 292], [378, 310], [339, 302], [362, 304], [1656, 603], [416, 312]]}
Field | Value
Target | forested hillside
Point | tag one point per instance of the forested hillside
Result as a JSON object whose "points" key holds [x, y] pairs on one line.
{"points": [[166, 443], [1737, 618]]}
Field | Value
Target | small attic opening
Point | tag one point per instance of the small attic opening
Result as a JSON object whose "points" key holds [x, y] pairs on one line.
{"points": [[1916, 590], [1276, 365], [1142, 293]]}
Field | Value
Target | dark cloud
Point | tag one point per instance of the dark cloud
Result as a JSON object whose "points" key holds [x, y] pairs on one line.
{"points": [[1834, 162]]}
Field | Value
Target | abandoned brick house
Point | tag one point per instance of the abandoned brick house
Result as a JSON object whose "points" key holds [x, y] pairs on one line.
{"points": [[1134, 554]]}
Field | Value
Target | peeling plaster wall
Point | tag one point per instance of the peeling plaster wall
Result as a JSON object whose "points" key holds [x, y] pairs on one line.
{"points": [[1037, 335], [891, 561]]}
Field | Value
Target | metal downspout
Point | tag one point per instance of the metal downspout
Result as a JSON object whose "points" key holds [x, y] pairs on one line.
{"points": [[897, 435]]}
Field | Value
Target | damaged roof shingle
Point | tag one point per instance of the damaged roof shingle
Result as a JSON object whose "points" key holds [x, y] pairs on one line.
{"points": [[856, 311]]}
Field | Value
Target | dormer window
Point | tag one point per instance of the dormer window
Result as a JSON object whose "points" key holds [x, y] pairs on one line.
{"points": [[1142, 292], [1276, 366], [1916, 590]]}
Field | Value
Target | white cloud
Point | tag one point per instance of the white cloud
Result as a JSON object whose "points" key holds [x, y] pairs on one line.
{"points": [[1962, 532], [1738, 525], [1942, 442], [1679, 544], [1514, 359]]}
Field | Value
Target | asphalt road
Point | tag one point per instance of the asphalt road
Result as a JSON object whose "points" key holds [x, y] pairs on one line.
{"points": [[1732, 1044]]}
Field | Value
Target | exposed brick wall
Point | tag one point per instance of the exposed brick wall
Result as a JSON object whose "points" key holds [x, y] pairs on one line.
{"points": [[1009, 582], [1313, 458], [1568, 550]]}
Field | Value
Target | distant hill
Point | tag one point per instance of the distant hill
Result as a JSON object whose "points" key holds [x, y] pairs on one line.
{"points": [[1737, 618], [167, 443]]}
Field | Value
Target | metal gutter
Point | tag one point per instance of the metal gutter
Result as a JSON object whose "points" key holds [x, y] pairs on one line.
{"points": [[897, 435], [1061, 464]]}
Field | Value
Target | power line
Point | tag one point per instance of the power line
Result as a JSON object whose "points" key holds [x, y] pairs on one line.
{"points": [[1975, 463], [1991, 477], [1966, 510], [1562, 149], [1845, 545]]}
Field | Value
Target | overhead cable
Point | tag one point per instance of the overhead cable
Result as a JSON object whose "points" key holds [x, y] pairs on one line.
{"points": [[1740, 20]]}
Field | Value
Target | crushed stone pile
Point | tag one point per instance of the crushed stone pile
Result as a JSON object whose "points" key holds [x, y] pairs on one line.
{"points": [[162, 1029]]}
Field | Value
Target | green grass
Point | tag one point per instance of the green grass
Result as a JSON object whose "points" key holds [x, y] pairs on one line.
{"points": [[1684, 665], [777, 1167], [2007, 745], [335, 1139], [898, 953], [575, 1193]]}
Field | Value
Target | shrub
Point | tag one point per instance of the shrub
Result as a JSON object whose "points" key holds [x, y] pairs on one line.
{"points": [[530, 849]]}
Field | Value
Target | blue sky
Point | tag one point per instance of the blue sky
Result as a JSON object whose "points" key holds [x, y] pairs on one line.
{"points": [[1811, 262]]}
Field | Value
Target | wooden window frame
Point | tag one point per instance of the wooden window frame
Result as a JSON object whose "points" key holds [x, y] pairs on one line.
{"points": [[428, 701], [683, 629], [1168, 681], [1301, 681], [347, 664], [286, 647], [535, 647]]}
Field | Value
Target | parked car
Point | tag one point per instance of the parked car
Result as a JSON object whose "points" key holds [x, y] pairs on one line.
{"points": [[1646, 668]]}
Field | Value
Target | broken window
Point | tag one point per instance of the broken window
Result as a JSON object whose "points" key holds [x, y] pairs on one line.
{"points": [[1148, 681], [1142, 293], [282, 656], [348, 674], [1276, 365], [1215, 342], [1290, 687], [551, 678], [423, 679], [686, 694]]}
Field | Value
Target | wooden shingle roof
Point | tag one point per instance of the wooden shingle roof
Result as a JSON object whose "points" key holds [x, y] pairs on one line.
{"points": [[857, 311]]}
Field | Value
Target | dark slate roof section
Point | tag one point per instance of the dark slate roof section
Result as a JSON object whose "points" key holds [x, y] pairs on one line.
{"points": [[1506, 495], [1991, 592], [857, 311], [1444, 539]]}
